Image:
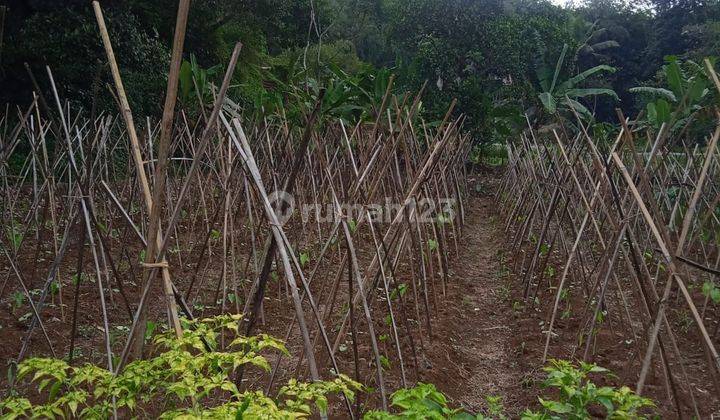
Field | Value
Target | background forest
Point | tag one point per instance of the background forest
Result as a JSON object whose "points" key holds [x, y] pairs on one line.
{"points": [[500, 58], [447, 86]]}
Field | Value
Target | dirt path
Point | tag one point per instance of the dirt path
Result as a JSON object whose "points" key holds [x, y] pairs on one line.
{"points": [[474, 352]]}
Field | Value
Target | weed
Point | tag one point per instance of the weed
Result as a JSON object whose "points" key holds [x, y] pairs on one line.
{"points": [[517, 306], [399, 291], [14, 235], [442, 219], [495, 406], [17, 299], [503, 271], [684, 321], [503, 292], [711, 291], [149, 330], [566, 314], [54, 288], [304, 259], [544, 249]]}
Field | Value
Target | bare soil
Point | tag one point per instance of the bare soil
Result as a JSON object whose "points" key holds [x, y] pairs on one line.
{"points": [[489, 340], [474, 354], [486, 340]]}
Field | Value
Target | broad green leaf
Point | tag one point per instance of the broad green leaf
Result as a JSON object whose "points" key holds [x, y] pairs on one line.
{"points": [[574, 81], [652, 113], [697, 91], [663, 93], [558, 68], [548, 102], [579, 108], [663, 110], [600, 46], [185, 80], [582, 93], [715, 295], [674, 77], [707, 288], [556, 407]]}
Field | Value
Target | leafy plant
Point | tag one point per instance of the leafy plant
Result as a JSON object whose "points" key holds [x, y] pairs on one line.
{"points": [[352, 224], [14, 235], [711, 291], [54, 288], [560, 97], [400, 290], [189, 373], [495, 406], [686, 98], [577, 394], [17, 299], [423, 401], [150, 328], [194, 80], [593, 39], [304, 259]]}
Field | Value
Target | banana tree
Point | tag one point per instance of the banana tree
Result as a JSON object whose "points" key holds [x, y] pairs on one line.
{"points": [[593, 39], [195, 80], [686, 98], [561, 97]]}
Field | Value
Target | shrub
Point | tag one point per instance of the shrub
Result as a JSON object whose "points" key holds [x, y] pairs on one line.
{"points": [[190, 374]]}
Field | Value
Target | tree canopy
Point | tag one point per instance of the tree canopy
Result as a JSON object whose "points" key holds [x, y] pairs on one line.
{"points": [[492, 55]]}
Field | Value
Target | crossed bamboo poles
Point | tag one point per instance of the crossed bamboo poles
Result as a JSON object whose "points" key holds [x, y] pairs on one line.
{"points": [[196, 198], [601, 211]]}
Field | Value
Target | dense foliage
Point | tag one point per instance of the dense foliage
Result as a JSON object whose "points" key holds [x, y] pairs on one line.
{"points": [[494, 56], [192, 376]]}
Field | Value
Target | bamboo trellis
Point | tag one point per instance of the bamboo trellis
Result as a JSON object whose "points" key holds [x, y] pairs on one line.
{"points": [[633, 228], [361, 286]]}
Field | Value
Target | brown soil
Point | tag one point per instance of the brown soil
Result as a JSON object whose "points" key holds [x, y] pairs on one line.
{"points": [[486, 340], [473, 353], [489, 341]]}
